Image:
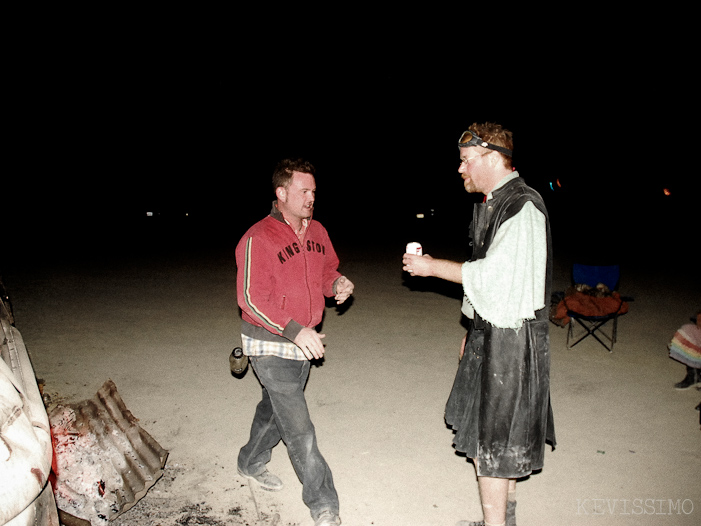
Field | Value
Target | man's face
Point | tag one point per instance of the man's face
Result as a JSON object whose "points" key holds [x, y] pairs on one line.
{"points": [[297, 200], [474, 170]]}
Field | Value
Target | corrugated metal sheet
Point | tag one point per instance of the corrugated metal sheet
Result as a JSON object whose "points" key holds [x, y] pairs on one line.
{"points": [[105, 461]]}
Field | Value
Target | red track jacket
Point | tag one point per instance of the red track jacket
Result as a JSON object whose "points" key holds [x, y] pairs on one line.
{"points": [[282, 282]]}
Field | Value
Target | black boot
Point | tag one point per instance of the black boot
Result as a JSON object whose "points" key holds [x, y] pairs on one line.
{"points": [[692, 378], [511, 513]]}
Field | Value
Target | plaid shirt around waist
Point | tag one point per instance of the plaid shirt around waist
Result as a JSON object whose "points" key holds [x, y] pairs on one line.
{"points": [[286, 350]]}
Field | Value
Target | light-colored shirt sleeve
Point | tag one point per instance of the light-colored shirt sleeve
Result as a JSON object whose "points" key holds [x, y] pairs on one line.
{"points": [[508, 285]]}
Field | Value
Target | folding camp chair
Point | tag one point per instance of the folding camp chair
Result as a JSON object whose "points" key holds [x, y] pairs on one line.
{"points": [[594, 324]]}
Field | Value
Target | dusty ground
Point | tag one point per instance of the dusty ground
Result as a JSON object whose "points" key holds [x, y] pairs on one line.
{"points": [[161, 322]]}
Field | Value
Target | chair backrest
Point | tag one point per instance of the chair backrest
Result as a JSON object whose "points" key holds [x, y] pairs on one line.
{"points": [[592, 275]]}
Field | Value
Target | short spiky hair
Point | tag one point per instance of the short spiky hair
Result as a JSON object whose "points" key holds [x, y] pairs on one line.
{"points": [[495, 134], [282, 175]]}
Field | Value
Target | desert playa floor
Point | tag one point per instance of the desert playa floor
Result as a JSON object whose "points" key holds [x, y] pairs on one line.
{"points": [[162, 319]]}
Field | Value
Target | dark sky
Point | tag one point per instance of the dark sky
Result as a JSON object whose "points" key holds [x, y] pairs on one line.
{"points": [[161, 126], [114, 126]]}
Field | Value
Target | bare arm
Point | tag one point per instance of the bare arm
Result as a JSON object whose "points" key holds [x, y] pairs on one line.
{"points": [[427, 266]]}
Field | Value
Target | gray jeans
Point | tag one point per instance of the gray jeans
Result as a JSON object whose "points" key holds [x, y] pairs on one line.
{"points": [[283, 414]]}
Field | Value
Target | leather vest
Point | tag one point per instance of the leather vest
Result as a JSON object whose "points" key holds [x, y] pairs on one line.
{"points": [[506, 202]]}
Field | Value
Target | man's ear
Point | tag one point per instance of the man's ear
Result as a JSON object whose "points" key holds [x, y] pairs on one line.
{"points": [[493, 158], [281, 193]]}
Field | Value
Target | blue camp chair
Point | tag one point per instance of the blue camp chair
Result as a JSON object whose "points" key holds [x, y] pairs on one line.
{"points": [[594, 326]]}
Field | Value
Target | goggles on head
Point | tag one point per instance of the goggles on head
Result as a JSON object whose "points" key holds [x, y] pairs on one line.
{"points": [[468, 138]]}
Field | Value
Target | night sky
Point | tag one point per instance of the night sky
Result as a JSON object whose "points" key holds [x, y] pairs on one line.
{"points": [[114, 127]]}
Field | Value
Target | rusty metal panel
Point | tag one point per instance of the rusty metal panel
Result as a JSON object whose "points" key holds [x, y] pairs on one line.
{"points": [[105, 461]]}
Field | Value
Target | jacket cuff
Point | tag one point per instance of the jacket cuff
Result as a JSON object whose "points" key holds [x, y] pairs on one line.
{"points": [[292, 330]]}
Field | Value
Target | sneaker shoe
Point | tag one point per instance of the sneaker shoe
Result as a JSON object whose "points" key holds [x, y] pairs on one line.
{"points": [[328, 518], [266, 479]]}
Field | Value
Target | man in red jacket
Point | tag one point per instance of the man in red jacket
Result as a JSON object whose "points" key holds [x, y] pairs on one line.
{"points": [[286, 267]]}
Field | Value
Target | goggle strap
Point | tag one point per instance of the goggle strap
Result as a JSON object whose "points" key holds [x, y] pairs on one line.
{"points": [[489, 145], [500, 149], [478, 141]]}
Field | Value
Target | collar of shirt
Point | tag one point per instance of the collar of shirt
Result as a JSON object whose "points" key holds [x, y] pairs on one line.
{"points": [[302, 230], [513, 175], [278, 215]]}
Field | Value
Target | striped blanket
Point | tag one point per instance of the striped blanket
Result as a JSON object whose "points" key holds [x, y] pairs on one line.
{"points": [[685, 346]]}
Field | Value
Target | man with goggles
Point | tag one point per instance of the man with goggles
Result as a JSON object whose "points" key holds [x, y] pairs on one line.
{"points": [[499, 405]]}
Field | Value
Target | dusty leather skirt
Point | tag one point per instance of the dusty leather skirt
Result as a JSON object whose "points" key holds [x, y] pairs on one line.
{"points": [[500, 406]]}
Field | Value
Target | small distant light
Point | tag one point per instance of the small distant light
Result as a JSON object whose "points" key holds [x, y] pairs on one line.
{"points": [[420, 216], [149, 214], [667, 191]]}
